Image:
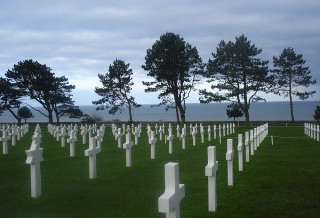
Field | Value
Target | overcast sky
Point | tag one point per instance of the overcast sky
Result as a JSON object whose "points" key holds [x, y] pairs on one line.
{"points": [[79, 39]]}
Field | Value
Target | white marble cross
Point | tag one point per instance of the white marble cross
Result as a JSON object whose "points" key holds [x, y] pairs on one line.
{"points": [[152, 143], [170, 138], [119, 136], [178, 131], [169, 202], [214, 131], [240, 153], [160, 133], [251, 142], [13, 135], [224, 129], [99, 138], [128, 146], [211, 172], [84, 134], [247, 147], [72, 140], [194, 136], [209, 133], [92, 153], [183, 136], [202, 134], [255, 144], [63, 135], [136, 135], [4, 140], [34, 157], [227, 128], [229, 158], [57, 133]]}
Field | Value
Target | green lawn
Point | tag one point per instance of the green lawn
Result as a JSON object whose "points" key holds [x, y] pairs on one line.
{"points": [[281, 180]]}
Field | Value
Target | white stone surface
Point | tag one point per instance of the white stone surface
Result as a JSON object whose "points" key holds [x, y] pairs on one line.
{"points": [[34, 157], [240, 153], [72, 140], [128, 146], [170, 139], [92, 153], [169, 202], [152, 143], [4, 140], [211, 172], [229, 158], [247, 147]]}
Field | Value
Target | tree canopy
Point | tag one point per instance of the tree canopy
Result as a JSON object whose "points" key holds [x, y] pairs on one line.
{"points": [[25, 113], [10, 98], [234, 111], [291, 76], [116, 87], [39, 83], [175, 67], [237, 74]]}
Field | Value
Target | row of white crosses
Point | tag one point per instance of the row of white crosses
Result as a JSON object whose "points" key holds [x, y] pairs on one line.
{"points": [[312, 130], [169, 202], [10, 133], [257, 135], [63, 131], [34, 157]]}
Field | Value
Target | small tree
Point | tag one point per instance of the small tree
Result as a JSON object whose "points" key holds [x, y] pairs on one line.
{"points": [[316, 115], [25, 113], [234, 111], [290, 75], [116, 89]]}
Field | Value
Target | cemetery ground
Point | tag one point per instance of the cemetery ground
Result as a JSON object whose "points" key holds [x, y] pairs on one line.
{"points": [[281, 180]]}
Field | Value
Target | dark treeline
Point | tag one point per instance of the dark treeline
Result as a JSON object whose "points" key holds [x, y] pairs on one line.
{"points": [[235, 72]]}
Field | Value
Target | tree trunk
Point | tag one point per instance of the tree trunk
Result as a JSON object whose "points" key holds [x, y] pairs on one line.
{"points": [[291, 108], [246, 114], [130, 113], [177, 114], [50, 116], [15, 116]]}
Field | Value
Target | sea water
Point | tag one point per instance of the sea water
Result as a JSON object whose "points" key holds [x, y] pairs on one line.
{"points": [[261, 111]]}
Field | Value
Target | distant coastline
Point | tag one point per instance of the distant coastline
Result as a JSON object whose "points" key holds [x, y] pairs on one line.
{"points": [[261, 111]]}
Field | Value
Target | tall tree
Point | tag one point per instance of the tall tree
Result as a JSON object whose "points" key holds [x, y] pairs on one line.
{"points": [[25, 113], [10, 97], [233, 110], [291, 76], [117, 83], [40, 84], [175, 67], [237, 74]]}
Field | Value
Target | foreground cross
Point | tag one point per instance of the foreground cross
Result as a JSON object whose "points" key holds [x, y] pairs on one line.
{"points": [[211, 172], [34, 156], [169, 202], [229, 158], [92, 153]]}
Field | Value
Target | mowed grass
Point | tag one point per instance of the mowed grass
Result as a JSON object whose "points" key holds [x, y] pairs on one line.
{"points": [[281, 180]]}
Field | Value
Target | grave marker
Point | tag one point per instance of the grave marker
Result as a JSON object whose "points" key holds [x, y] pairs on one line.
{"points": [[92, 153], [229, 158], [4, 140], [152, 143], [211, 172], [169, 202], [128, 146], [72, 140], [240, 153], [247, 147], [170, 138], [34, 157]]}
